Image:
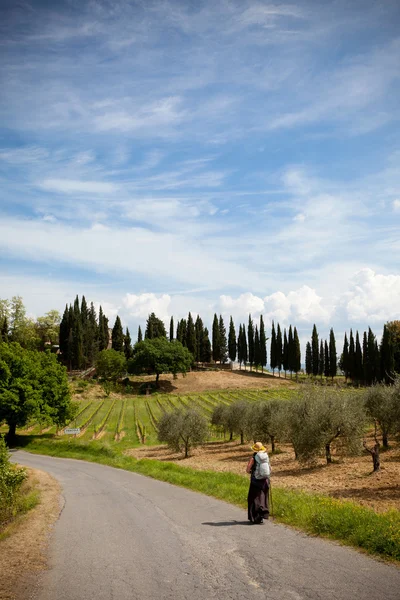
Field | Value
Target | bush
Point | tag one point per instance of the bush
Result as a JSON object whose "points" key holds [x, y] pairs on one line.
{"points": [[11, 479]]}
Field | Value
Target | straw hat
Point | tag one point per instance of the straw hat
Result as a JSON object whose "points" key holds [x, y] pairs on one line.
{"points": [[258, 447]]}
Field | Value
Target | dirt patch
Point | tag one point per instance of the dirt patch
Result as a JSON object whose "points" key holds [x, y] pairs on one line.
{"points": [[23, 552], [348, 478], [201, 381]]}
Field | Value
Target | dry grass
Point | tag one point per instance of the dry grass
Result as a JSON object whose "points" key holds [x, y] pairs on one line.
{"points": [[22, 551], [349, 478]]}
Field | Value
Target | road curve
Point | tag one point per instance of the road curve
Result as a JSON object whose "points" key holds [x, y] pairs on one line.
{"points": [[124, 536]]}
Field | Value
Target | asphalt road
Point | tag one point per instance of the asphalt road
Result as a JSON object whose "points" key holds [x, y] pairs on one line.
{"points": [[123, 536]]}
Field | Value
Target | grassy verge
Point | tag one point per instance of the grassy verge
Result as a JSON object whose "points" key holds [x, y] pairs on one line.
{"points": [[27, 498], [319, 515]]}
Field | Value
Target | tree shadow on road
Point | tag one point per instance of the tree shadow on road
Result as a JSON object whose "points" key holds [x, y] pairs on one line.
{"points": [[226, 523]]}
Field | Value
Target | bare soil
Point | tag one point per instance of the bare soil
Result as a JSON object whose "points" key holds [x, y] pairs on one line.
{"points": [[349, 478], [23, 551], [201, 381]]}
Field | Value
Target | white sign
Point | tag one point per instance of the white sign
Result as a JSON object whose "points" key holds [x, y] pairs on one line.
{"points": [[76, 430]]}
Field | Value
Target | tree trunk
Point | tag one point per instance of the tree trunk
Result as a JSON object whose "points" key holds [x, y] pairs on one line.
{"points": [[375, 458], [231, 436], [186, 449], [241, 438], [328, 454], [157, 378], [272, 443], [11, 434], [385, 441]]}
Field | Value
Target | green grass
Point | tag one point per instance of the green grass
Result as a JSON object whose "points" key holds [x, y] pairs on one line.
{"points": [[345, 521], [27, 498]]}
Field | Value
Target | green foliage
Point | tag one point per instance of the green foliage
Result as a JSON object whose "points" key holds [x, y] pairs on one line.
{"points": [[32, 384], [155, 328], [267, 421], [158, 355], [182, 430], [319, 415], [216, 342], [11, 479], [382, 403], [232, 341], [117, 336], [110, 365]]}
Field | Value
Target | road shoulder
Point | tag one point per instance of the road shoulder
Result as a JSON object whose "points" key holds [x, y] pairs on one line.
{"points": [[23, 553]]}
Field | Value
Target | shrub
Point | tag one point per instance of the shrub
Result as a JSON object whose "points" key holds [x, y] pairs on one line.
{"points": [[11, 479]]}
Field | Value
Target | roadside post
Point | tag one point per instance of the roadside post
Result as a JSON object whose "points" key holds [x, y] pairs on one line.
{"points": [[72, 431]]}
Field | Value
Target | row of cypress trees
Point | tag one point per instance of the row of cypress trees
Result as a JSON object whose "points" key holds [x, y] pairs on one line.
{"points": [[83, 334], [363, 361]]}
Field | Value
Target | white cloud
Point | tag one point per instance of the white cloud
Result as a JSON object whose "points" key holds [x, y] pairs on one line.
{"points": [[243, 305], [396, 205], [140, 306], [70, 186], [373, 297]]}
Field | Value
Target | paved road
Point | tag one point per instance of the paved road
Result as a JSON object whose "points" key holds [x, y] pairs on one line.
{"points": [[124, 536]]}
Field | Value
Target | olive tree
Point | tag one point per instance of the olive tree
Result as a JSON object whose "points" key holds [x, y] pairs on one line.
{"points": [[182, 430], [318, 416], [267, 421], [382, 403]]}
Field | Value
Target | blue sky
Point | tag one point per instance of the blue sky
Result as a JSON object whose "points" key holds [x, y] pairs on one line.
{"points": [[205, 156]]}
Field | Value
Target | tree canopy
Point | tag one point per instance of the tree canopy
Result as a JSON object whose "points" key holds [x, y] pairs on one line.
{"points": [[32, 385], [110, 365], [158, 355]]}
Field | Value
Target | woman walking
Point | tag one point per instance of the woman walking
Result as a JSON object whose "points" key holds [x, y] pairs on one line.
{"points": [[257, 499]]}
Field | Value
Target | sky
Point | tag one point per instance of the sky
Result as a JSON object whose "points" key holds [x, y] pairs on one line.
{"points": [[233, 157]]}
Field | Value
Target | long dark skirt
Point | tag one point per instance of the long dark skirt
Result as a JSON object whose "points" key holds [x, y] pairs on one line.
{"points": [[258, 500]]}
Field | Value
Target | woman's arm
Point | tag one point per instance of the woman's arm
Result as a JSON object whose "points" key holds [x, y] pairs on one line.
{"points": [[250, 465]]}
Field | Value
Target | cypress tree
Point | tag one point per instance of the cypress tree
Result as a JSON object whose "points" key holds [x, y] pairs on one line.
{"points": [[191, 335], [127, 345], [372, 375], [352, 357], [244, 345], [216, 344], [77, 343], [345, 357], [365, 358], [315, 350], [321, 364], [297, 352], [327, 367], [154, 327], [171, 329], [279, 349], [257, 352], [250, 341], [64, 335], [92, 337], [239, 347], [205, 355], [387, 356], [182, 331], [291, 355], [103, 330], [378, 373], [285, 353], [272, 352], [332, 354], [199, 327], [308, 359], [117, 336], [263, 345], [358, 360], [232, 341], [139, 334], [222, 340]]}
